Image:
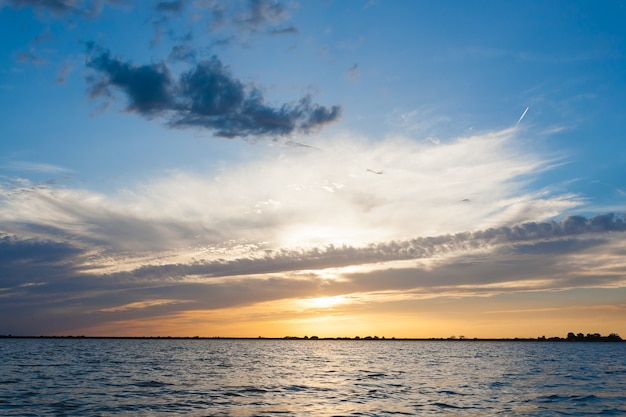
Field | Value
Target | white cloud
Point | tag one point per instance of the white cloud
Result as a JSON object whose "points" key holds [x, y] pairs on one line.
{"points": [[350, 190]]}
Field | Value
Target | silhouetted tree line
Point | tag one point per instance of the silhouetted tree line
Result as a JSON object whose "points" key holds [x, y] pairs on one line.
{"points": [[592, 337]]}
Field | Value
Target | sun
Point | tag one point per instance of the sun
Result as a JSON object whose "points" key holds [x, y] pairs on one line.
{"points": [[324, 302], [312, 236]]}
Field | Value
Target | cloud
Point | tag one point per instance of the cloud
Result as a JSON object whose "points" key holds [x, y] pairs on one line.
{"points": [[182, 53], [51, 283], [284, 30], [64, 71], [163, 12], [250, 16], [424, 122], [261, 12], [29, 57], [315, 223], [27, 260], [84, 8], [354, 73], [170, 7], [549, 239], [43, 37], [584, 261], [206, 96], [304, 197], [149, 88]]}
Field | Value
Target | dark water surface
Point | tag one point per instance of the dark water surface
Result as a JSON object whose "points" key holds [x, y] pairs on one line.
{"points": [[218, 377]]}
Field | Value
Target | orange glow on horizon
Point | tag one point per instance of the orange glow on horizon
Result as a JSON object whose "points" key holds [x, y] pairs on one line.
{"points": [[334, 317]]}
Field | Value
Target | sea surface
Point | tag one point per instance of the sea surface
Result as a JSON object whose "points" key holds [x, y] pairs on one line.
{"points": [[220, 377]]}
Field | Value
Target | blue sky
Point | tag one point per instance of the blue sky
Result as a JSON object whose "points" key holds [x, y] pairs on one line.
{"points": [[222, 168]]}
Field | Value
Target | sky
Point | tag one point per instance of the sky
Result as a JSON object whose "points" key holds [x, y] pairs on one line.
{"points": [[332, 168]]}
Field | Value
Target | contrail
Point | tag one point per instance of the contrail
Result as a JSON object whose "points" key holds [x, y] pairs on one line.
{"points": [[522, 116]]}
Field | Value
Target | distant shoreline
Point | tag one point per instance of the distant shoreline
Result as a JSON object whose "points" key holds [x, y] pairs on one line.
{"points": [[601, 339]]}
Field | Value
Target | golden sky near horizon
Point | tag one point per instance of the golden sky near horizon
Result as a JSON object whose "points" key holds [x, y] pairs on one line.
{"points": [[526, 315]]}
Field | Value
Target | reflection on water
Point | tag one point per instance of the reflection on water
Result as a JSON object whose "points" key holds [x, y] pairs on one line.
{"points": [[59, 377]]}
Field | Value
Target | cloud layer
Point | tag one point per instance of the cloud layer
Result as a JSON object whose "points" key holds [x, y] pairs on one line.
{"points": [[366, 220], [52, 283]]}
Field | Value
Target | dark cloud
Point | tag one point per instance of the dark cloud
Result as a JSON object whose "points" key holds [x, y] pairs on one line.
{"points": [[206, 96], [46, 289], [571, 225], [558, 247], [86, 301], [149, 88], [84, 8], [24, 261]]}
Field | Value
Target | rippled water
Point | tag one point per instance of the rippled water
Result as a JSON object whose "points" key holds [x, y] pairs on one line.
{"points": [[218, 377]]}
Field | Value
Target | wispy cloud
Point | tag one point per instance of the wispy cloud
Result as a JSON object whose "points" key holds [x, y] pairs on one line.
{"points": [[424, 122], [284, 30], [249, 16], [139, 305], [34, 167], [30, 57], [307, 196], [609, 308], [84, 8], [354, 73]]}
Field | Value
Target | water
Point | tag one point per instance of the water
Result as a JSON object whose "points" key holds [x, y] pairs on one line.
{"points": [[216, 377]]}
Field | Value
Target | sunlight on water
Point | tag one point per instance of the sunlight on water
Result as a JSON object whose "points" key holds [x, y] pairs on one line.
{"points": [[67, 377]]}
